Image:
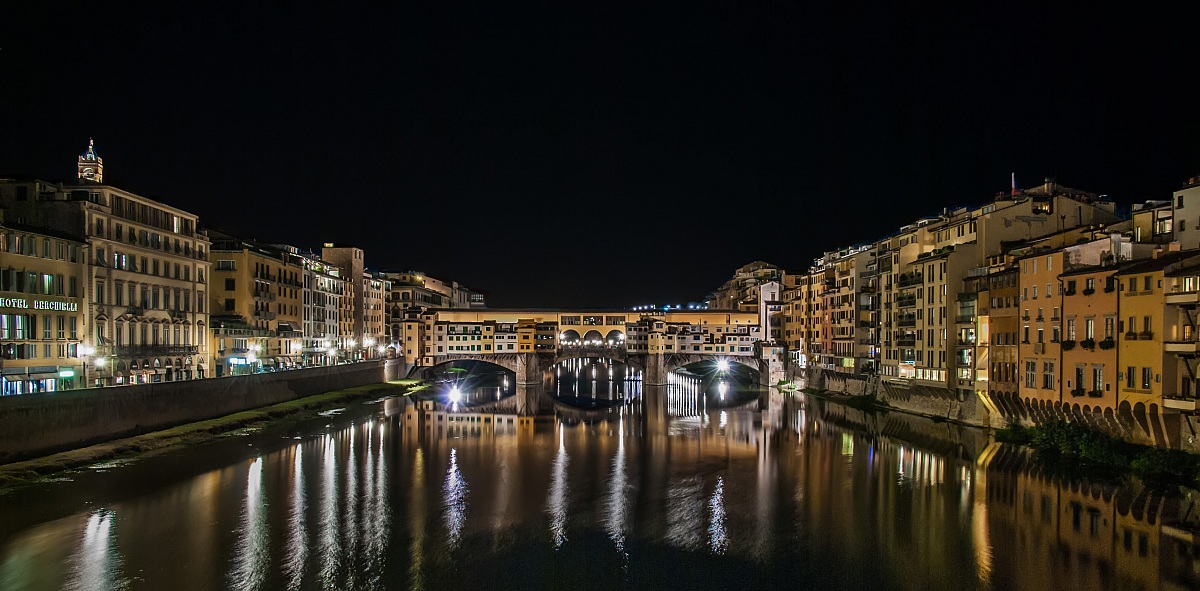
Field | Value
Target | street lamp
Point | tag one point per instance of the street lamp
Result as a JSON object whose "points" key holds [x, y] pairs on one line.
{"points": [[99, 362]]}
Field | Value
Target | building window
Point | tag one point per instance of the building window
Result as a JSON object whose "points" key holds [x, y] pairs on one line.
{"points": [[1030, 374], [1130, 376], [1048, 375], [1146, 378]]}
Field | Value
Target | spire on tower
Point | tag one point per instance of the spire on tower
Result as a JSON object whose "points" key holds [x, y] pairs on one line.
{"points": [[90, 166]]}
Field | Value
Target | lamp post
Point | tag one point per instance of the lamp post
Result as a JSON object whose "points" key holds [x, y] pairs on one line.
{"points": [[99, 362]]}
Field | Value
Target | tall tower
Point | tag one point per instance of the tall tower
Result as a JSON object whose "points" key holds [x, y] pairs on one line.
{"points": [[91, 166]]}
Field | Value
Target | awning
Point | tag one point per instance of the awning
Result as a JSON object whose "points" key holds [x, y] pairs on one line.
{"points": [[267, 360]]}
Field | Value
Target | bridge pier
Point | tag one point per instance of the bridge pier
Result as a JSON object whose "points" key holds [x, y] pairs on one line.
{"points": [[529, 384], [656, 371]]}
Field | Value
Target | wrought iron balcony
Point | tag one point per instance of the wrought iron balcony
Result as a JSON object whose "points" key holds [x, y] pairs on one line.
{"points": [[152, 350]]}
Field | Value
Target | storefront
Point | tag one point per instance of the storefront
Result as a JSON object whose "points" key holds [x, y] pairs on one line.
{"points": [[37, 379]]}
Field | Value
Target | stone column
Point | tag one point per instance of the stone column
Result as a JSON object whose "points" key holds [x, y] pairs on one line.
{"points": [[529, 384]]}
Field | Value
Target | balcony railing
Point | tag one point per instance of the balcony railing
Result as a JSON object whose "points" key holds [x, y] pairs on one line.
{"points": [[910, 279], [906, 320], [152, 350], [965, 319], [908, 302]]}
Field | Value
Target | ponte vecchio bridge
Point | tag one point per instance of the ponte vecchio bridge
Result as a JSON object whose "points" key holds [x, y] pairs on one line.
{"points": [[527, 342]]}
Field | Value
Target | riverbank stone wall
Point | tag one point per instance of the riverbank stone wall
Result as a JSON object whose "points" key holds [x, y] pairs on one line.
{"points": [[34, 425]]}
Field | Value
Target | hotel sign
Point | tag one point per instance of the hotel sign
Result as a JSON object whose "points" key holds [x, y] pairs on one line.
{"points": [[28, 304]]}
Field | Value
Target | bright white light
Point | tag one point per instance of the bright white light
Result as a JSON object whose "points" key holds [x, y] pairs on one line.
{"points": [[251, 357], [381, 349], [351, 342], [86, 350], [722, 365], [723, 388], [455, 395], [100, 361]]}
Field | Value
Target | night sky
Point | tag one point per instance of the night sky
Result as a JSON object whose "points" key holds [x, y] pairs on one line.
{"points": [[597, 154]]}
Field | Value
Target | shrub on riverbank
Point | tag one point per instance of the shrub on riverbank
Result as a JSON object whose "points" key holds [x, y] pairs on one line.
{"points": [[1072, 447]]}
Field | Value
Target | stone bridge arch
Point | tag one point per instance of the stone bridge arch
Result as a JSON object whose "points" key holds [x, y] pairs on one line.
{"points": [[675, 361]]}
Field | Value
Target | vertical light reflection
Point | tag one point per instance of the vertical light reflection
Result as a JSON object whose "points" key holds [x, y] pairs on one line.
{"points": [[297, 537], [455, 492], [417, 552], [329, 545], [96, 565], [351, 513], [718, 539], [379, 519], [618, 508], [557, 502], [250, 562]]}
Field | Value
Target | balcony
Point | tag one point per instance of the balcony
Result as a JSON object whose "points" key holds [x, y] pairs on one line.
{"points": [[1095, 394], [1180, 403], [264, 315], [906, 342], [1077, 392], [152, 350], [906, 302], [906, 320], [1131, 336], [264, 295], [1186, 297], [1146, 335], [910, 280], [965, 319], [1182, 347]]}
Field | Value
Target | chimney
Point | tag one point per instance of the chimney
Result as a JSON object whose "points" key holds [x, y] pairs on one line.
{"points": [[1173, 246], [1156, 252]]}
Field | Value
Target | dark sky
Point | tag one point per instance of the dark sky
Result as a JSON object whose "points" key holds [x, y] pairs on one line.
{"points": [[591, 154]]}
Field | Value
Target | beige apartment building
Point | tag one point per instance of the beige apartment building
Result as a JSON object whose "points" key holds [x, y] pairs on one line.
{"points": [[43, 311], [256, 304]]}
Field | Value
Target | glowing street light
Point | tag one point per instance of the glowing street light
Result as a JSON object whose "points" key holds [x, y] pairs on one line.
{"points": [[722, 365], [455, 395]]}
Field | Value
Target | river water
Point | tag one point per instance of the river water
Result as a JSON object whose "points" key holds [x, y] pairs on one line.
{"points": [[388, 495]]}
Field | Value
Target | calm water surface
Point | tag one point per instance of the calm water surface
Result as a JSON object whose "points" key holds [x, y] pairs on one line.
{"points": [[387, 495]]}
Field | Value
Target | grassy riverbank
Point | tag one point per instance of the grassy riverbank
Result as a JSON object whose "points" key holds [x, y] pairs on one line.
{"points": [[1077, 450], [189, 434]]}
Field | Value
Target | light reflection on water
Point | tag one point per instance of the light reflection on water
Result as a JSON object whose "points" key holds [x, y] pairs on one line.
{"points": [[724, 498], [97, 564]]}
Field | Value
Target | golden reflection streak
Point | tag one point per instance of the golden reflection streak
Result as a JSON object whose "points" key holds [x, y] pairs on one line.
{"points": [[617, 505], [297, 544], [556, 503], [417, 523], [250, 562], [329, 547], [97, 564], [455, 493]]}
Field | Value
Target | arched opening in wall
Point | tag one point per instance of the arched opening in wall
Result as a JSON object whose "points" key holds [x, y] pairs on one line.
{"points": [[714, 383], [593, 338], [569, 339], [614, 338], [466, 382]]}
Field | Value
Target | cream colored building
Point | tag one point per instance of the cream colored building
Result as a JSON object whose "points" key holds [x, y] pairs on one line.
{"points": [[147, 275]]}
